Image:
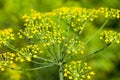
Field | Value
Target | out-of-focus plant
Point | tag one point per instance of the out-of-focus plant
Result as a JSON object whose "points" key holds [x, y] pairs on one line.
{"points": [[54, 39]]}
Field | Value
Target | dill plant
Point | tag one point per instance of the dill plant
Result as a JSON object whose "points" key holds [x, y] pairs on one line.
{"points": [[53, 40]]}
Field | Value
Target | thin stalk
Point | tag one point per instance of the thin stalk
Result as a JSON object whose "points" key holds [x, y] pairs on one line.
{"points": [[83, 27], [63, 45], [44, 59], [58, 45], [11, 47], [67, 57], [40, 63], [59, 55], [97, 31], [96, 52], [39, 67], [26, 38], [47, 49], [54, 51], [52, 54], [33, 68]]}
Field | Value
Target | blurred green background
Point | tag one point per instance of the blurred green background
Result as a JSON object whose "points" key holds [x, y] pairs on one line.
{"points": [[106, 64]]}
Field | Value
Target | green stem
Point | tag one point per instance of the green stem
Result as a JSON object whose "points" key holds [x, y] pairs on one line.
{"points": [[58, 45], [97, 31], [83, 27], [49, 52], [33, 68], [54, 51], [11, 47], [67, 58], [40, 63], [59, 55], [96, 51], [52, 55], [61, 72], [39, 67], [63, 45], [44, 59]]}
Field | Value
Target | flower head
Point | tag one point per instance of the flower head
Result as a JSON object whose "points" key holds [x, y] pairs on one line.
{"points": [[110, 37], [7, 60], [28, 53], [78, 70], [5, 36]]}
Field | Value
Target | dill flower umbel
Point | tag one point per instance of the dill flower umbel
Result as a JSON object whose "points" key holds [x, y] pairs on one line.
{"points": [[110, 37], [57, 34], [6, 60], [47, 29], [28, 53], [5, 36], [78, 70]]}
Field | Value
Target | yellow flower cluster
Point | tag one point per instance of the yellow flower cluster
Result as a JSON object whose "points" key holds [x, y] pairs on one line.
{"points": [[78, 70], [43, 31], [115, 13], [77, 17], [6, 35], [48, 30], [74, 47], [38, 26], [53, 38], [110, 37], [29, 52], [74, 17], [6, 60]]}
